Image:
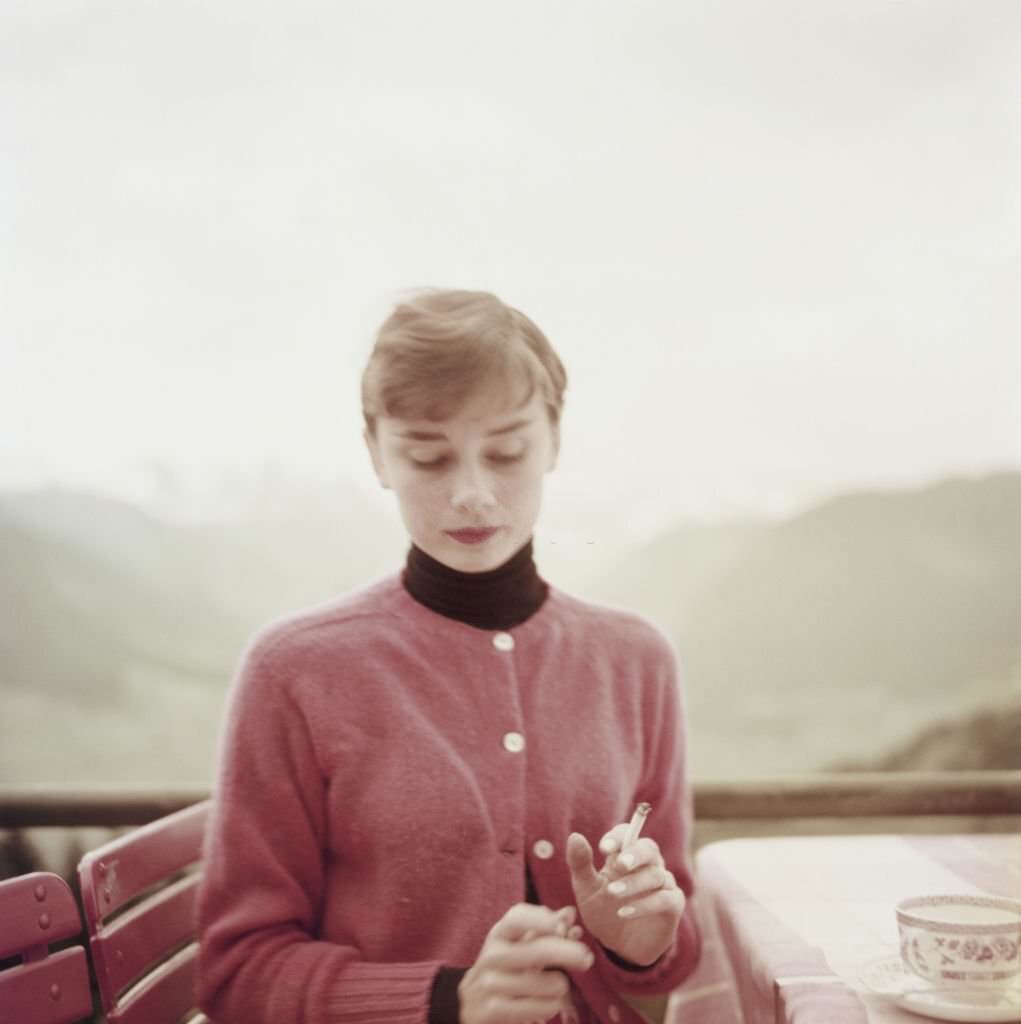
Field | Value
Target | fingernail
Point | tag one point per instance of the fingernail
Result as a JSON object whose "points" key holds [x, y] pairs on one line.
{"points": [[626, 912], [627, 860], [589, 961], [616, 888], [608, 845]]}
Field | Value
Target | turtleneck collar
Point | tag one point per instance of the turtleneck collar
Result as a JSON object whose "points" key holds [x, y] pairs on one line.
{"points": [[499, 598]]}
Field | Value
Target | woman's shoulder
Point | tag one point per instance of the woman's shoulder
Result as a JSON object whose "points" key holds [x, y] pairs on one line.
{"points": [[616, 625], [348, 617]]}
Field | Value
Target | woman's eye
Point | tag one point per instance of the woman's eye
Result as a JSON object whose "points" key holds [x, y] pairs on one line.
{"points": [[503, 458], [436, 463]]}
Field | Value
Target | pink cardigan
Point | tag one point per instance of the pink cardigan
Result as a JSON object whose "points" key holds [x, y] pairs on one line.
{"points": [[387, 773]]}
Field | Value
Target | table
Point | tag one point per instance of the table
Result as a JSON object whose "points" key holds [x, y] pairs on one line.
{"points": [[789, 922]]}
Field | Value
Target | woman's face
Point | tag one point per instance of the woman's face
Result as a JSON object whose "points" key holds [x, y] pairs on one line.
{"points": [[469, 487]]}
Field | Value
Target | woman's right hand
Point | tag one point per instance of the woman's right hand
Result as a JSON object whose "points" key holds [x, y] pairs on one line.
{"points": [[517, 978]]}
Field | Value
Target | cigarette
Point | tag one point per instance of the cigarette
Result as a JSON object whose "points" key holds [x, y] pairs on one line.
{"points": [[635, 825]]}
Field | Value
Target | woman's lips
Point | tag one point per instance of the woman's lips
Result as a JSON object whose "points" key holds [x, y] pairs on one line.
{"points": [[472, 535]]}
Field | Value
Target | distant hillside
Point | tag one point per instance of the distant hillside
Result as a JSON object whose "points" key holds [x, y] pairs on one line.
{"points": [[830, 638], [666, 578], [989, 739], [93, 581], [842, 629], [91, 586], [121, 631]]}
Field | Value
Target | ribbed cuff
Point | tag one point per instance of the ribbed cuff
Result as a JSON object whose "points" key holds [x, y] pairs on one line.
{"points": [[444, 1001], [382, 993], [627, 965]]}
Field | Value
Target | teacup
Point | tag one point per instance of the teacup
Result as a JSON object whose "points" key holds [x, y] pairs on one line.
{"points": [[972, 941]]}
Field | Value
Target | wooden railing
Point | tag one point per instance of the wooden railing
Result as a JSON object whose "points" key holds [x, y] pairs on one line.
{"points": [[864, 795], [871, 795]]}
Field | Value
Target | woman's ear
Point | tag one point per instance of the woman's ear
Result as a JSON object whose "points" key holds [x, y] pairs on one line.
{"points": [[372, 443], [554, 446]]}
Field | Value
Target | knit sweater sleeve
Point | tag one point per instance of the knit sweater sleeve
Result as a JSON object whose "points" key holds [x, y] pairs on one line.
{"points": [[665, 785], [261, 961]]}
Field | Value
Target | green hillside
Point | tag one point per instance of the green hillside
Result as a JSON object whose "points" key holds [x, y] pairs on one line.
{"points": [[666, 578], [984, 740], [842, 630], [831, 638], [122, 630]]}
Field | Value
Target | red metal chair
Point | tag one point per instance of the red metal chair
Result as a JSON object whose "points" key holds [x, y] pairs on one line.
{"points": [[42, 987], [138, 895]]}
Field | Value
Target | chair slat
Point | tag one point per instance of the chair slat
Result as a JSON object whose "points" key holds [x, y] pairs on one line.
{"points": [[142, 936], [35, 910], [166, 995], [139, 892], [51, 991], [120, 870]]}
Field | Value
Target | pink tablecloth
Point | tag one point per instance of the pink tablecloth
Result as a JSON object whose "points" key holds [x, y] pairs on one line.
{"points": [[789, 922]]}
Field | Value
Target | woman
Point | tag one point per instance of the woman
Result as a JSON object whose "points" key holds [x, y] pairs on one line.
{"points": [[412, 775]]}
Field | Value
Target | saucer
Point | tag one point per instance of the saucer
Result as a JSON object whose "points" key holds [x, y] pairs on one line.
{"points": [[888, 977]]}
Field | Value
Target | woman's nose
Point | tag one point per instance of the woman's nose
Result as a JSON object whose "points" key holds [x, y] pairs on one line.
{"points": [[472, 491]]}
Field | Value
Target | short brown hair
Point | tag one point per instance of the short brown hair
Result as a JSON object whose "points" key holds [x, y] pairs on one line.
{"points": [[439, 346]]}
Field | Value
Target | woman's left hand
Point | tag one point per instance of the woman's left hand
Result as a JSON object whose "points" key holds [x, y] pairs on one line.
{"points": [[632, 904]]}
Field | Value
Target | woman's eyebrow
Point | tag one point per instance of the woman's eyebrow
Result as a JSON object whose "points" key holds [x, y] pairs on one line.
{"points": [[422, 435], [517, 424], [432, 435]]}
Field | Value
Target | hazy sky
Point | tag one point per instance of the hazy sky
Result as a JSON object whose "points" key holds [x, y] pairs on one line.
{"points": [[777, 244]]}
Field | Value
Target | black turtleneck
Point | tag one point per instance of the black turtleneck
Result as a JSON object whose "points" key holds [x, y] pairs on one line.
{"points": [[499, 598]]}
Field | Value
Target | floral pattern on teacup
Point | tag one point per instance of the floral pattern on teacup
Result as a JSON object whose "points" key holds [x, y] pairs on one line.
{"points": [[933, 956], [960, 938]]}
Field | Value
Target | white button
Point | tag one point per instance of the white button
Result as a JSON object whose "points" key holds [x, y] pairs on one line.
{"points": [[543, 849], [503, 642], [514, 742], [614, 1012]]}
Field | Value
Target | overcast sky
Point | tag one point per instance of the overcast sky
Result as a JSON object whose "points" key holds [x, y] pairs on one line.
{"points": [[777, 244]]}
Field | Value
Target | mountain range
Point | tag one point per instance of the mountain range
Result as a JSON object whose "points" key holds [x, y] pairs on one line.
{"points": [[838, 636]]}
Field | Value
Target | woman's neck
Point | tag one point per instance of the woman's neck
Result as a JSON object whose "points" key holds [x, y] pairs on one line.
{"points": [[499, 598]]}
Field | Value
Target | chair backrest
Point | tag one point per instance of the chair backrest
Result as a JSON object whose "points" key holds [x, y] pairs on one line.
{"points": [[138, 896], [41, 987]]}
